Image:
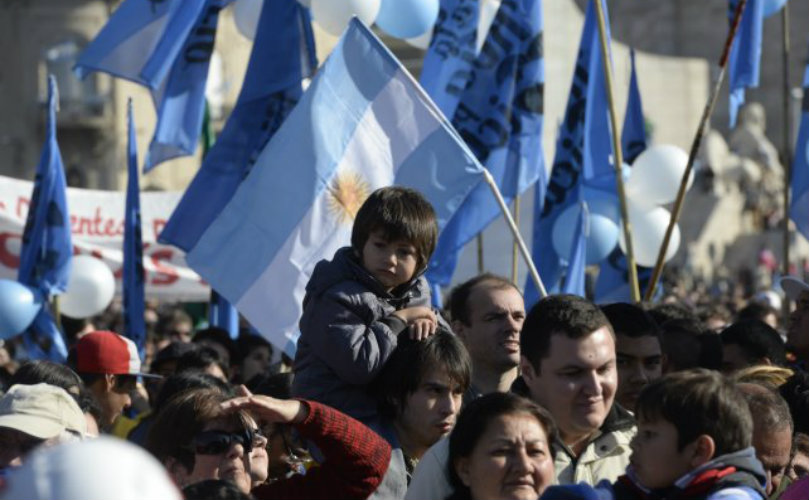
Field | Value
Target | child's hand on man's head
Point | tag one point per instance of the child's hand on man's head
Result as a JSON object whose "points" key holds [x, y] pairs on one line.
{"points": [[421, 321], [422, 328]]}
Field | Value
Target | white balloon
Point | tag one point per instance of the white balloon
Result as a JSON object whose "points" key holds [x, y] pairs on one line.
{"points": [[648, 230], [334, 15], [656, 175], [245, 15], [90, 288]]}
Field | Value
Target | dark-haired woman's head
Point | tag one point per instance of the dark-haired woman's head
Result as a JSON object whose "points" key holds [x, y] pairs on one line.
{"points": [[501, 448]]}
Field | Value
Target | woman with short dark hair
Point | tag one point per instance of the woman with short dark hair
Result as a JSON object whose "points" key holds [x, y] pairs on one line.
{"points": [[501, 449]]}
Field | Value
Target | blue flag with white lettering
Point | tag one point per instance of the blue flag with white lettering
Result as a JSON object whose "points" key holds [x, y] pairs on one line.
{"points": [[799, 206], [165, 46], [46, 242], [494, 100], [134, 323], [583, 155], [283, 54], [745, 54]]}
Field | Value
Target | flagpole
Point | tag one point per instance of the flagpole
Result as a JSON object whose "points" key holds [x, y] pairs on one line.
{"points": [[617, 155], [516, 232], [515, 248], [787, 153], [706, 114]]}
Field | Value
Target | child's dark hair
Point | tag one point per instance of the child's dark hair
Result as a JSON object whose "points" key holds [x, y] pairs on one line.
{"points": [[476, 417], [399, 213], [698, 402]]}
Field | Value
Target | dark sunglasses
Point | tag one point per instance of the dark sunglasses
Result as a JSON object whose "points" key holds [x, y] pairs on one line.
{"points": [[218, 442]]}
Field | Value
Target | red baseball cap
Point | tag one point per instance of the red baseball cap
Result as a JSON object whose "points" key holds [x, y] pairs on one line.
{"points": [[107, 353]]}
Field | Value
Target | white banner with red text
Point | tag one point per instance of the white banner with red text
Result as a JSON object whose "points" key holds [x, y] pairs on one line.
{"points": [[97, 220]]}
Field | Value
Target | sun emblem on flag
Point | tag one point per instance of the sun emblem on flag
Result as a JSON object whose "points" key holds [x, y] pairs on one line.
{"points": [[347, 193]]}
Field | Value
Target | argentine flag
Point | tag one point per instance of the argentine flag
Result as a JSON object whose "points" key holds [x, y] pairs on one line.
{"points": [[362, 124]]}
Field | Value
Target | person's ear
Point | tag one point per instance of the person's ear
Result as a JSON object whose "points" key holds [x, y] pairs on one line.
{"points": [[703, 450], [458, 328], [109, 382], [527, 369], [462, 469], [178, 472]]}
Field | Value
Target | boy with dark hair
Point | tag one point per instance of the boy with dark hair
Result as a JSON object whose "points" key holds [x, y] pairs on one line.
{"points": [[357, 304], [751, 342], [420, 391], [693, 441], [638, 351]]}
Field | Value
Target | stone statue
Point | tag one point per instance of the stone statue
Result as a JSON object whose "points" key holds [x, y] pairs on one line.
{"points": [[747, 163]]}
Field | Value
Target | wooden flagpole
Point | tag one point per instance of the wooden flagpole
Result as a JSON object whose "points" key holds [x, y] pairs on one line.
{"points": [[706, 114], [532, 270], [618, 159], [787, 144]]}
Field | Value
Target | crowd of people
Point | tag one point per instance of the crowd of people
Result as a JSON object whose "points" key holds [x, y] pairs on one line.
{"points": [[388, 398]]}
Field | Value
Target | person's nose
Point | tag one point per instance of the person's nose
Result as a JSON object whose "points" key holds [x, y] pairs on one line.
{"points": [[638, 374], [592, 384], [236, 450], [522, 462], [447, 404], [514, 324]]}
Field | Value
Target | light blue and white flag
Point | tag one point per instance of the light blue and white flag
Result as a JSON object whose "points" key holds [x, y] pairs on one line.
{"points": [[363, 123], [141, 40], [166, 46], [799, 205], [47, 248]]}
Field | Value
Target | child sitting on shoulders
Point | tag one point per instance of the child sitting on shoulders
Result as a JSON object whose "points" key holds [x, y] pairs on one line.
{"points": [[693, 442], [357, 304]]}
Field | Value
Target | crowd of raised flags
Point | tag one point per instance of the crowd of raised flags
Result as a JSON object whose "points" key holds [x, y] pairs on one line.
{"points": [[274, 192]]}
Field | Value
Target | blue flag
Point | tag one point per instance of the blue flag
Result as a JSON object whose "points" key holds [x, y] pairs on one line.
{"points": [[577, 261], [46, 242], [613, 276], [583, 154], [283, 54], [180, 99], [799, 206], [633, 136], [745, 54], [362, 124], [165, 46], [134, 323], [495, 101]]}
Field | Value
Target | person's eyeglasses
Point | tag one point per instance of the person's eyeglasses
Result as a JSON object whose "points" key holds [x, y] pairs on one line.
{"points": [[218, 442]]}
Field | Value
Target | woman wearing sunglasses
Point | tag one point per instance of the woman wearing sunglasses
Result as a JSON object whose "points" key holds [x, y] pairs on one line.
{"points": [[202, 435]]}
